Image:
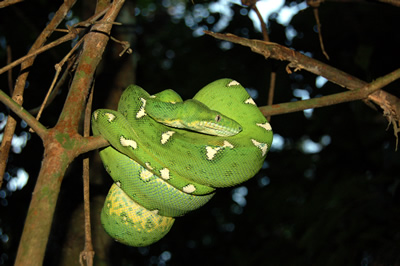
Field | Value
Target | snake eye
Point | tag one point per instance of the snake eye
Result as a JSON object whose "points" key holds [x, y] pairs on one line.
{"points": [[217, 118]]}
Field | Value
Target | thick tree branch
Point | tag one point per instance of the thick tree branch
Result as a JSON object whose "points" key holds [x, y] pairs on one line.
{"points": [[63, 145]]}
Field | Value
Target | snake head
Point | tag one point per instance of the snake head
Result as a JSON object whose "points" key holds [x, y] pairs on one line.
{"points": [[192, 115], [211, 122]]}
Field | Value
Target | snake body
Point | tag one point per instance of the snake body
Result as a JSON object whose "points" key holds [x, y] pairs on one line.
{"points": [[167, 156]]}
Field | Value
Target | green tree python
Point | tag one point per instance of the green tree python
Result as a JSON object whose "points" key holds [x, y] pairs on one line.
{"points": [[167, 156]]}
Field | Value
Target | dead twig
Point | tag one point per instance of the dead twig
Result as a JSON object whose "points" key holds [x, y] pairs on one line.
{"points": [[315, 5], [9, 76], [57, 87], [271, 91], [264, 29], [58, 68], [125, 45], [73, 32], [88, 253]]}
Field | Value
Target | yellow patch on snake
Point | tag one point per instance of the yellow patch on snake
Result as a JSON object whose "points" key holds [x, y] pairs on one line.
{"points": [[164, 173], [166, 136], [145, 175], [95, 114], [250, 101], [189, 189], [110, 117], [265, 126], [262, 146], [117, 205], [141, 111], [233, 83], [127, 142]]}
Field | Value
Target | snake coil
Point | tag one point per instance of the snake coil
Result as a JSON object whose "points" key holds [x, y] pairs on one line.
{"points": [[167, 156]]}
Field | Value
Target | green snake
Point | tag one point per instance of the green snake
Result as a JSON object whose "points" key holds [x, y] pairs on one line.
{"points": [[167, 156]]}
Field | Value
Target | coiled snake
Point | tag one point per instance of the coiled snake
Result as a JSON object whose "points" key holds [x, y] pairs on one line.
{"points": [[167, 156]]}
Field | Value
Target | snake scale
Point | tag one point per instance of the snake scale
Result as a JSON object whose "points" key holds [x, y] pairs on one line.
{"points": [[167, 156]]}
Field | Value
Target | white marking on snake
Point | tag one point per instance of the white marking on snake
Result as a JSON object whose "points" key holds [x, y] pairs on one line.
{"points": [[110, 117], [148, 166], [233, 83], [95, 114], [118, 183], [164, 173], [250, 101], [266, 126], [228, 144], [189, 188], [127, 142], [211, 152], [141, 112], [166, 136], [145, 175], [262, 146], [155, 212]]}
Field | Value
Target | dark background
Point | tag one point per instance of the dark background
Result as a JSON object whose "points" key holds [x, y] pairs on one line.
{"points": [[336, 204]]}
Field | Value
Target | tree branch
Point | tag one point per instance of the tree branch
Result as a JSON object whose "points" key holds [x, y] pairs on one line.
{"points": [[358, 94], [24, 114], [21, 80], [9, 2], [388, 102], [62, 146]]}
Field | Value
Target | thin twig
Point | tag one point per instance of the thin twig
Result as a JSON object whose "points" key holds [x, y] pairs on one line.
{"points": [[262, 22], [391, 2], [358, 94], [125, 45], [72, 33], [271, 91], [271, 88], [9, 76], [58, 86], [58, 68], [70, 36], [88, 253], [9, 2], [23, 114], [321, 42]]}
